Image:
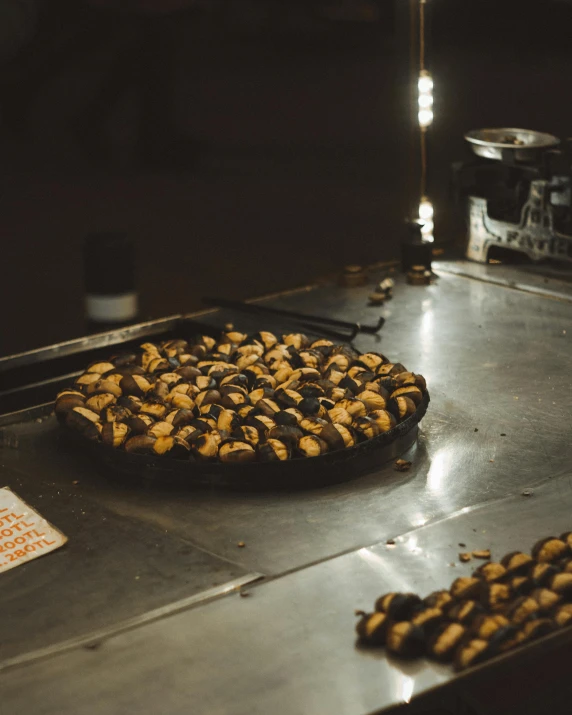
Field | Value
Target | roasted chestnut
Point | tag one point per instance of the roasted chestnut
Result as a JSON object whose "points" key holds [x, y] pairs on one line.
{"points": [[521, 610], [140, 444], [313, 425], [516, 562], [138, 424], [563, 615], [273, 450], [337, 436], [171, 446], [550, 549], [405, 640], [398, 606], [104, 386], [234, 451], [246, 433], [410, 391], [495, 596], [114, 434], [366, 426], [445, 640], [465, 587], [383, 419], [401, 407], [428, 619], [207, 445], [372, 400], [97, 403], [438, 599], [84, 421], [114, 413], [372, 628], [100, 367], [490, 572], [312, 446], [541, 574], [465, 611], [288, 434], [471, 653], [287, 398], [154, 408], [372, 360], [160, 429], [545, 598], [66, 401], [286, 418], [341, 416]]}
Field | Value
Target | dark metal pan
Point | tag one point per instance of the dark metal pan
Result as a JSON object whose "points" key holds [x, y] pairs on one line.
{"points": [[294, 474]]}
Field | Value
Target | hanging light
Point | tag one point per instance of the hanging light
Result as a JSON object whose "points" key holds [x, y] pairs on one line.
{"points": [[425, 99]]}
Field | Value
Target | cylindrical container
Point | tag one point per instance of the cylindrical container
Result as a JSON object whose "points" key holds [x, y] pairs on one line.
{"points": [[111, 297], [415, 251]]}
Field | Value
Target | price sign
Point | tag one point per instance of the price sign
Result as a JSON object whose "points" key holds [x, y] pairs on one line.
{"points": [[24, 534]]}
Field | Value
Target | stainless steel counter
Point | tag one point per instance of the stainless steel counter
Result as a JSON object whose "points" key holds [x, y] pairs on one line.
{"points": [[496, 362]]}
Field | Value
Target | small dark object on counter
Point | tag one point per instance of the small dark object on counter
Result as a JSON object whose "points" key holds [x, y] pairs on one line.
{"points": [[241, 544], [353, 276], [402, 465], [372, 627], [503, 434], [398, 606], [462, 546], [476, 429], [550, 549], [482, 554], [376, 298], [390, 542], [405, 640], [419, 276], [464, 557], [444, 642]]}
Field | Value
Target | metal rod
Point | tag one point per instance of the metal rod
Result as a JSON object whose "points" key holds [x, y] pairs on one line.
{"points": [[308, 319]]}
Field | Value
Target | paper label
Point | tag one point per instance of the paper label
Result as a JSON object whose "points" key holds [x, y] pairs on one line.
{"points": [[24, 534]]}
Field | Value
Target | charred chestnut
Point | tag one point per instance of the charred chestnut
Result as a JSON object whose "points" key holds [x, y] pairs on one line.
{"points": [[139, 424], [114, 434], [372, 628], [516, 562], [97, 403], [405, 640], [490, 572], [337, 436], [465, 587], [66, 401], [234, 451], [465, 611], [312, 446], [383, 419], [445, 641], [273, 450], [372, 400], [401, 407], [84, 421], [140, 444], [410, 391], [549, 550], [398, 606]]}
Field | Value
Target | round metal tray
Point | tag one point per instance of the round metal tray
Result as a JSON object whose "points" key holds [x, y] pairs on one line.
{"points": [[491, 143], [300, 473]]}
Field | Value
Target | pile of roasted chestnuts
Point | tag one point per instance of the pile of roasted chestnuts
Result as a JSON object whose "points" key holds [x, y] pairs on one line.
{"points": [[240, 398], [500, 607]]}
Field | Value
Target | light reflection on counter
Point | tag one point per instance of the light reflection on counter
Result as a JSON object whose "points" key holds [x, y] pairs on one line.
{"points": [[388, 571], [406, 687], [439, 469]]}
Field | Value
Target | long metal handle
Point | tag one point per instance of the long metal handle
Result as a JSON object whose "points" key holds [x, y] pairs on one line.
{"points": [[307, 319]]}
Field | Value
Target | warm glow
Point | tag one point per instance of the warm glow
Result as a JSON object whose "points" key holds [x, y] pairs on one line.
{"points": [[425, 117], [425, 101], [425, 83], [425, 209], [427, 231]]}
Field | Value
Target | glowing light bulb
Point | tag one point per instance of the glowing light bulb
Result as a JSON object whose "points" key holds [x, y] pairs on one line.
{"points": [[425, 117], [425, 209], [425, 83], [425, 101], [427, 231]]}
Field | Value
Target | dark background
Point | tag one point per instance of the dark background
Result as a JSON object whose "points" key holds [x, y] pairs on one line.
{"points": [[246, 146]]}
